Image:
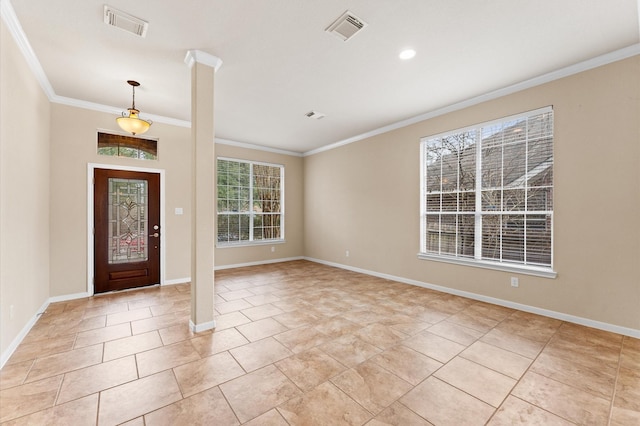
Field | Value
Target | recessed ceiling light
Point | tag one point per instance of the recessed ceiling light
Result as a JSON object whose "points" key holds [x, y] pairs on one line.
{"points": [[407, 54]]}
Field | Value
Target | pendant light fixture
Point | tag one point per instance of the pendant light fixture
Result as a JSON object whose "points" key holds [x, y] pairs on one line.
{"points": [[130, 122]]}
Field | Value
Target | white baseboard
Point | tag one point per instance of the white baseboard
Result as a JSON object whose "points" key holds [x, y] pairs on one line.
{"points": [[177, 281], [260, 262], [67, 297], [631, 332], [23, 333], [197, 328], [27, 328]]}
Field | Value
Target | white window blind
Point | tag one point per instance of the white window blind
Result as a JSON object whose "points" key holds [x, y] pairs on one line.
{"points": [[250, 201], [487, 192]]}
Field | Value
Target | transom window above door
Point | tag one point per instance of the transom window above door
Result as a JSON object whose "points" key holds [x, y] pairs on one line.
{"points": [[127, 146]]}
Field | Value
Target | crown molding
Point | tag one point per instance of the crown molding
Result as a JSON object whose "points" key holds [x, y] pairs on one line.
{"points": [[598, 61], [15, 28], [11, 20], [78, 103], [9, 17], [257, 147], [204, 58]]}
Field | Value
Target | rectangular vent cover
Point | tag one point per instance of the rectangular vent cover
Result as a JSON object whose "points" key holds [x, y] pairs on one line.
{"points": [[346, 26], [315, 115], [124, 21]]}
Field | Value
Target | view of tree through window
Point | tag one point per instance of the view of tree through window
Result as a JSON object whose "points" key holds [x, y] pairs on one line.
{"points": [[127, 146], [488, 191], [249, 201]]}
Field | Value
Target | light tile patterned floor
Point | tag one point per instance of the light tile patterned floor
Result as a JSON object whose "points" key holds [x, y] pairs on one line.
{"points": [[300, 343]]}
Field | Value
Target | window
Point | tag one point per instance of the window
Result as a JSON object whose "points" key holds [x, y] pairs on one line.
{"points": [[127, 146], [250, 202], [487, 194]]}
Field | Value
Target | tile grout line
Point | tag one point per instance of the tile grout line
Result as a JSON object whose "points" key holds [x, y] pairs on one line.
{"points": [[227, 400], [462, 390], [529, 368], [98, 408], [615, 382], [567, 384], [361, 302]]}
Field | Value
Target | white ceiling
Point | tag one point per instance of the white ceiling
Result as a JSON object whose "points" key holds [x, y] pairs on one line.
{"points": [[279, 63]]}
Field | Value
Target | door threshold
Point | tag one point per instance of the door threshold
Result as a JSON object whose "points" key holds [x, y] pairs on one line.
{"points": [[127, 289]]}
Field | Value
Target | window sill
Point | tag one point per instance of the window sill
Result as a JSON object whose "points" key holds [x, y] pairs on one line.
{"points": [[520, 269], [250, 243]]}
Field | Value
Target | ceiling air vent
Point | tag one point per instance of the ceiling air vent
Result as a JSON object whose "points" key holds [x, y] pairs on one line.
{"points": [[124, 21], [346, 26], [315, 115]]}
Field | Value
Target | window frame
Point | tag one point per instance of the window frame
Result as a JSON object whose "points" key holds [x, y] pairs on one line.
{"points": [[476, 259], [145, 148], [251, 213]]}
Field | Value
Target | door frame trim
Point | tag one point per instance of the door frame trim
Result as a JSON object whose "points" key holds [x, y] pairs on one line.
{"points": [[90, 213]]}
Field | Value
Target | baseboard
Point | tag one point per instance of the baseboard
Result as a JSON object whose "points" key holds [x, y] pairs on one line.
{"points": [[259, 262], [631, 332], [197, 328], [27, 328], [23, 333], [177, 281], [67, 297]]}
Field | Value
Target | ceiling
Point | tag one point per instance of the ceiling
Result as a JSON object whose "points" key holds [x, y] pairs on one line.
{"points": [[279, 63]]}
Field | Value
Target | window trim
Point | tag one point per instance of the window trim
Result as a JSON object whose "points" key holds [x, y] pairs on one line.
{"points": [[223, 245], [496, 266], [541, 271], [251, 241], [119, 141]]}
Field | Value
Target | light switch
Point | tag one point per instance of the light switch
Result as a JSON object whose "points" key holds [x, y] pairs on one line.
{"points": [[178, 210]]}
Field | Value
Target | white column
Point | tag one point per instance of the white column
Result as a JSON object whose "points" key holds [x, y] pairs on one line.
{"points": [[203, 67]]}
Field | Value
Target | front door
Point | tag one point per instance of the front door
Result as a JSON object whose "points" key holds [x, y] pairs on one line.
{"points": [[127, 229]]}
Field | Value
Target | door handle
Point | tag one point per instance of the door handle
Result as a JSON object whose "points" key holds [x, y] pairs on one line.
{"points": [[155, 234]]}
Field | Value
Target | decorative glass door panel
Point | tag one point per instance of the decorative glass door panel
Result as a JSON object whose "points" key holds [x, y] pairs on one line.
{"points": [[127, 229], [128, 222]]}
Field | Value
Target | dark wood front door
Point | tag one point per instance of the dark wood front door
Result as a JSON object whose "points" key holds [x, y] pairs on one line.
{"points": [[127, 229]]}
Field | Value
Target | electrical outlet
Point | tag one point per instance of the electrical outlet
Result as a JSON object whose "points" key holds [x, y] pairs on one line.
{"points": [[514, 282], [11, 312], [273, 249], [346, 253]]}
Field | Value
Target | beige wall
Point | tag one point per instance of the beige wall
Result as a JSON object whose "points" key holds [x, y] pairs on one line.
{"points": [[24, 192], [73, 146], [364, 197], [294, 178]]}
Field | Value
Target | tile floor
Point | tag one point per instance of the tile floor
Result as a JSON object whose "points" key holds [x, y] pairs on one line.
{"points": [[300, 343]]}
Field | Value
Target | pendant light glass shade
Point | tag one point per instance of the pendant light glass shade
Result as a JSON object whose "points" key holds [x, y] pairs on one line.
{"points": [[130, 122]]}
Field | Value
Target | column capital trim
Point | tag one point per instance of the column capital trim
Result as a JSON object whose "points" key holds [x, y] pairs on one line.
{"points": [[204, 58]]}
